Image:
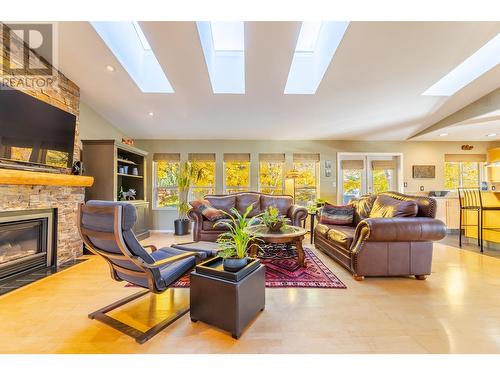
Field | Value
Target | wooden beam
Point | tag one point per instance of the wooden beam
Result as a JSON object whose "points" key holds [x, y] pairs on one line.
{"points": [[16, 177]]}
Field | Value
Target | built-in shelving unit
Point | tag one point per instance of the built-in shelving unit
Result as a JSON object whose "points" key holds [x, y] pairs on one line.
{"points": [[116, 167]]}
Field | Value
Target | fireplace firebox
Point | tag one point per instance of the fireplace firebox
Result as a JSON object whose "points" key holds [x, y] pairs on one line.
{"points": [[27, 241]]}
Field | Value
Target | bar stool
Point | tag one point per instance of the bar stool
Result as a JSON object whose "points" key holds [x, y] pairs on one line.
{"points": [[485, 209], [470, 201]]}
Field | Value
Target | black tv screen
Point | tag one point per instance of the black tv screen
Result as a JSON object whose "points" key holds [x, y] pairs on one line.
{"points": [[34, 132]]}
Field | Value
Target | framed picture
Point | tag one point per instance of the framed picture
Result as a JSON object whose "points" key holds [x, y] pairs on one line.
{"points": [[424, 171], [328, 172], [328, 164]]}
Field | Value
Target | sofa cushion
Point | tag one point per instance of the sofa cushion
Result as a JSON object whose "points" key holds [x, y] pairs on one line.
{"points": [[204, 207], [222, 202], [281, 202], [322, 229], [336, 215], [341, 235], [387, 207], [362, 207], [244, 200]]}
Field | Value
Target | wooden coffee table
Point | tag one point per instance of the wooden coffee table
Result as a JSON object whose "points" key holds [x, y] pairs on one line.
{"points": [[288, 235]]}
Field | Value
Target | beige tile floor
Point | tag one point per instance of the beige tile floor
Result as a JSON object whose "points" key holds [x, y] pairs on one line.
{"points": [[456, 310]]}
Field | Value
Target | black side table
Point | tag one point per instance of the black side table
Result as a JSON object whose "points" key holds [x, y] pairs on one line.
{"points": [[228, 305], [312, 219]]}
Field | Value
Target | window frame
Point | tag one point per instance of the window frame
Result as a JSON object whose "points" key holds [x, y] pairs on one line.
{"points": [[155, 188]]}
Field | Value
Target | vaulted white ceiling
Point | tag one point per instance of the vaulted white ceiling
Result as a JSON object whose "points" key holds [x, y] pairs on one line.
{"points": [[371, 90]]}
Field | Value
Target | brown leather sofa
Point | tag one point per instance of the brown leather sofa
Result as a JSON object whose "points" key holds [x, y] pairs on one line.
{"points": [[396, 246], [203, 229]]}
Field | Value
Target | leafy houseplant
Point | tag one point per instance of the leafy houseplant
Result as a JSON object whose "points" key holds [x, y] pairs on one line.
{"points": [[186, 175], [272, 219], [233, 244]]}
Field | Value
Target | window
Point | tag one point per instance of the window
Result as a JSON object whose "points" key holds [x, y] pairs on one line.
{"points": [[461, 174], [236, 172], [204, 168], [352, 179], [165, 169], [383, 175], [271, 173], [306, 190]]}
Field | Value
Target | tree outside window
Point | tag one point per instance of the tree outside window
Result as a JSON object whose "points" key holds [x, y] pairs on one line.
{"points": [[237, 176], [166, 192], [461, 174], [306, 182], [271, 177], [205, 184]]}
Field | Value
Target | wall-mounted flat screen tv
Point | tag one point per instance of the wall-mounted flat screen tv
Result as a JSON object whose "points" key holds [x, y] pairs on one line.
{"points": [[33, 132]]}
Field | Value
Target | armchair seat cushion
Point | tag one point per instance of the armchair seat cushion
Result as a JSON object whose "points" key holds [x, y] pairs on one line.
{"points": [[341, 235], [171, 272]]}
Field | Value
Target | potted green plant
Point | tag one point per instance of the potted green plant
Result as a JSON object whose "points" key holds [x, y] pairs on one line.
{"points": [[272, 219], [186, 175], [233, 244]]}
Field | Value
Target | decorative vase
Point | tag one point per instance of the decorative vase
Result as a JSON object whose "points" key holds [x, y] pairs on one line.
{"points": [[275, 227], [234, 264], [125, 169], [135, 171], [181, 227]]}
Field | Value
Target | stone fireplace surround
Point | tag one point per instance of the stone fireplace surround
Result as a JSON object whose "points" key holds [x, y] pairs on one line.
{"points": [[65, 198]]}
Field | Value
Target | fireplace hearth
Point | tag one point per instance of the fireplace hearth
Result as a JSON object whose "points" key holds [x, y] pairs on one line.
{"points": [[27, 241]]}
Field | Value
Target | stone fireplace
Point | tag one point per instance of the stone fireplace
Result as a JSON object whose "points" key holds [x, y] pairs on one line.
{"points": [[27, 241], [61, 201]]}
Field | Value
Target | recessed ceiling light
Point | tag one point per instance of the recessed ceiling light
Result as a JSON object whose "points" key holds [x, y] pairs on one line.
{"points": [[151, 114], [110, 68], [443, 134], [481, 61], [492, 135]]}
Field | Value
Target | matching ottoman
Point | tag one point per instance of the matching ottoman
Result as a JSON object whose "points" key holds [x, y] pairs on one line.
{"points": [[228, 305]]}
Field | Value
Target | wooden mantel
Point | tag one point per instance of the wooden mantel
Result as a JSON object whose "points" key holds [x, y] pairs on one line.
{"points": [[16, 177]]}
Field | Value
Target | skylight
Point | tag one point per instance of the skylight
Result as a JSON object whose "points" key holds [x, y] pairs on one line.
{"points": [[315, 48], [142, 37], [228, 36], [223, 46], [131, 48], [481, 61], [308, 37]]}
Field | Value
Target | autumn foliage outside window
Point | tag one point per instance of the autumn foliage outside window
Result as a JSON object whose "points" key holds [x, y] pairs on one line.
{"points": [[271, 177], [306, 183], [237, 176], [461, 174], [166, 193]]}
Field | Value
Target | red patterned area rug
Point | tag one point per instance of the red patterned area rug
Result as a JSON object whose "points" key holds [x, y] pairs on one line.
{"points": [[284, 273]]}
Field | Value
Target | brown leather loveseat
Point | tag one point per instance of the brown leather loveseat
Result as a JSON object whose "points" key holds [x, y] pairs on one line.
{"points": [[204, 230], [384, 246]]}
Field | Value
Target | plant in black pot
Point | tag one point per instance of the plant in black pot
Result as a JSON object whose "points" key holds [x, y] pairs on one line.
{"points": [[233, 244], [186, 175], [272, 219]]}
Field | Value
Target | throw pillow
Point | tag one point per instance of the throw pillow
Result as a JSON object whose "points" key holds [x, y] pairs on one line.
{"points": [[386, 207], [336, 215], [207, 210]]}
